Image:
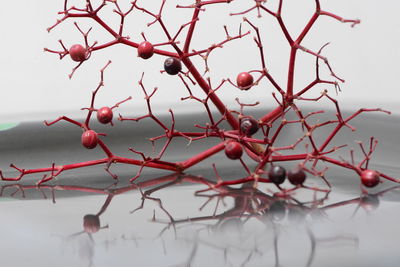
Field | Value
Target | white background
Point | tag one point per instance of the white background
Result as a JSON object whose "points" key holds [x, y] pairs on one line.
{"points": [[35, 85]]}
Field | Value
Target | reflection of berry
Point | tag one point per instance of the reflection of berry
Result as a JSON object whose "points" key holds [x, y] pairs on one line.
{"points": [[295, 214], [91, 223], [231, 225], [233, 150], [277, 174], [244, 81], [89, 139], [104, 115], [369, 202], [297, 176], [145, 50], [77, 52], [277, 210], [172, 66], [249, 126], [369, 178]]}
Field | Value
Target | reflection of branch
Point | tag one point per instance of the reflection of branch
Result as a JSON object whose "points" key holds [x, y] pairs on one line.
{"points": [[189, 260], [247, 204]]}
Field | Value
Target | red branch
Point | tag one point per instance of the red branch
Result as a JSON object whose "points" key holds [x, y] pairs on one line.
{"points": [[260, 144]]}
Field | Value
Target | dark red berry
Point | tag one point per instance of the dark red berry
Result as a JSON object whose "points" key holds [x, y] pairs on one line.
{"points": [[296, 176], [91, 223], [77, 52], [369, 178], [89, 139], [277, 174], [172, 66], [244, 81], [145, 50], [105, 115], [249, 126], [233, 150]]}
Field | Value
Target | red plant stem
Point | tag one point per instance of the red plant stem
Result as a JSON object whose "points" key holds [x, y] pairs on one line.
{"points": [[311, 85], [289, 157], [282, 24], [115, 159], [290, 82], [226, 134], [341, 19], [330, 137], [105, 149], [389, 178], [191, 30], [343, 123], [340, 163], [262, 154], [243, 180], [271, 116], [307, 28], [197, 76], [214, 98], [157, 164], [294, 47], [69, 166], [203, 155]]}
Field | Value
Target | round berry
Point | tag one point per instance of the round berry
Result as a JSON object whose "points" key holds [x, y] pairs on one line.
{"points": [[104, 115], [77, 52], [249, 126], [145, 50], [296, 176], [369, 178], [233, 150], [172, 65], [91, 223], [277, 174], [244, 81], [89, 139]]}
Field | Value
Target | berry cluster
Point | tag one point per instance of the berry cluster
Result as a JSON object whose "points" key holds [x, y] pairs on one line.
{"points": [[254, 137]]}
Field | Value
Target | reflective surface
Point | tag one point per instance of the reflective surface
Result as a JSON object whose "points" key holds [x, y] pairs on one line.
{"points": [[85, 219]]}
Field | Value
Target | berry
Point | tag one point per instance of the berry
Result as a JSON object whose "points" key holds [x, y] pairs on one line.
{"points": [[233, 150], [249, 126], [104, 115], [244, 81], [277, 174], [145, 50], [89, 139], [172, 66], [296, 176], [369, 178], [91, 223], [77, 52]]}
